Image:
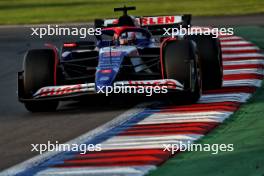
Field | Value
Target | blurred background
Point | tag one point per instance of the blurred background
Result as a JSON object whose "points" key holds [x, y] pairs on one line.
{"points": [[62, 11]]}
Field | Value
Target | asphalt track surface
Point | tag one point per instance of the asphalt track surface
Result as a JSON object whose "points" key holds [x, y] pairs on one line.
{"points": [[19, 128]]}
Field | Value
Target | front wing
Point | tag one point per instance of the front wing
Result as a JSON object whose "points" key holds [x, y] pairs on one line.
{"points": [[64, 92]]}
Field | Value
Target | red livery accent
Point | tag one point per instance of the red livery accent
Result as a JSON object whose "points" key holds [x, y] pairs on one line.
{"points": [[112, 54], [157, 20], [106, 71], [69, 45], [60, 91], [169, 83], [115, 21]]}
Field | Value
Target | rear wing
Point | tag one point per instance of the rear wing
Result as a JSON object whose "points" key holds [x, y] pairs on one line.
{"points": [[154, 24]]}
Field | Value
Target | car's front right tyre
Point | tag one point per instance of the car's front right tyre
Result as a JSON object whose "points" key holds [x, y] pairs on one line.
{"points": [[38, 67], [181, 63]]}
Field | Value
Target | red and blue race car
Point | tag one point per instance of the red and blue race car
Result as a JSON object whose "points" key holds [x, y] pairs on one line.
{"points": [[129, 52]]}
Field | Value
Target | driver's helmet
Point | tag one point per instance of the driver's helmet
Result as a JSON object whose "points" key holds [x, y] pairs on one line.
{"points": [[127, 38]]}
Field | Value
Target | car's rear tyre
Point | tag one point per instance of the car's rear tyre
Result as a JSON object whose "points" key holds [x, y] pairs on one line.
{"points": [[39, 72], [211, 60], [181, 63]]}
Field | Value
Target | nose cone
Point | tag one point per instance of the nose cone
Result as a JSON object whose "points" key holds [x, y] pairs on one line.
{"points": [[110, 61], [105, 77]]}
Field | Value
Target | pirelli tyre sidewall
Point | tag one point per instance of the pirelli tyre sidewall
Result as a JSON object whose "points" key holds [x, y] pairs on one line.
{"points": [[38, 67], [211, 60], [181, 62]]}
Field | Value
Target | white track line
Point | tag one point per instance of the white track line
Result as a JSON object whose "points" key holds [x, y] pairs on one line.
{"points": [[177, 120], [120, 139], [242, 55], [237, 97], [244, 82], [244, 62], [141, 145], [231, 38], [137, 144], [234, 43], [188, 115], [205, 118], [245, 48], [98, 171], [241, 71], [216, 116]]}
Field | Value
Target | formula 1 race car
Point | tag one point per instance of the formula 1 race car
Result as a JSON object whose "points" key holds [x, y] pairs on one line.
{"points": [[130, 52]]}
